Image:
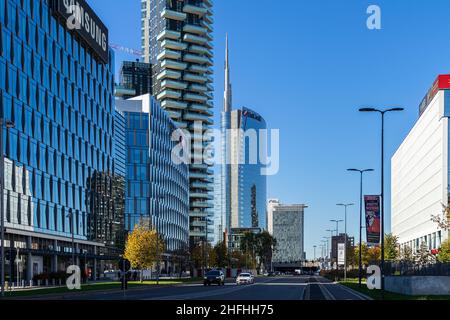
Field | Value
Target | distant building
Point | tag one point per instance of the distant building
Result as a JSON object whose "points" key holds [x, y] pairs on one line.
{"points": [[270, 207], [420, 173], [156, 187], [340, 239], [288, 230], [135, 79]]}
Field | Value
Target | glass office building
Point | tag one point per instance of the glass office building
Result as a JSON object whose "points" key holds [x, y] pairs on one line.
{"points": [[247, 185], [159, 196], [58, 92]]}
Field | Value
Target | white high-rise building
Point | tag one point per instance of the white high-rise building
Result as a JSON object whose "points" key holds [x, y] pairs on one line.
{"points": [[420, 172], [270, 208]]}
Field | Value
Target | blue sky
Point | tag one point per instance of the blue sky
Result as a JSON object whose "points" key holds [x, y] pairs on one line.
{"points": [[306, 67]]}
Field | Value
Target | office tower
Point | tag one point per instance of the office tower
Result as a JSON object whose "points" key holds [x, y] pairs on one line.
{"points": [[56, 88], [248, 186], [177, 39], [289, 231], [420, 173], [135, 79], [157, 188], [243, 186], [270, 207]]}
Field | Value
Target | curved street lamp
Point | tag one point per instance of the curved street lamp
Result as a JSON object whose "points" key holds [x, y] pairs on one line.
{"points": [[382, 113]]}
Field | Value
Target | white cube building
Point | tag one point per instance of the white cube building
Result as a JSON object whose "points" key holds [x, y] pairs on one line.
{"points": [[420, 173]]}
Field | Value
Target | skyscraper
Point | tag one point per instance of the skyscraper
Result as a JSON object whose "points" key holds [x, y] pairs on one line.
{"points": [[243, 191], [177, 37]]}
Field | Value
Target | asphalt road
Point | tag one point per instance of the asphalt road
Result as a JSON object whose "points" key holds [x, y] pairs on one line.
{"points": [[265, 288]]}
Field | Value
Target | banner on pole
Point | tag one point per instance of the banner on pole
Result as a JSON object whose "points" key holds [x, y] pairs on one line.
{"points": [[341, 254], [373, 219]]}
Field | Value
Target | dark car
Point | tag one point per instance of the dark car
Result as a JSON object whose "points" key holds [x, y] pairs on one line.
{"points": [[215, 276]]}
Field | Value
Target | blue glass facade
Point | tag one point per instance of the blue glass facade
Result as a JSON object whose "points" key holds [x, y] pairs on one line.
{"points": [[253, 184], [61, 102], [243, 186], [161, 193]]}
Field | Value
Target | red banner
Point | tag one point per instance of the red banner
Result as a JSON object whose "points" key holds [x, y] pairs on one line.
{"points": [[373, 219]]}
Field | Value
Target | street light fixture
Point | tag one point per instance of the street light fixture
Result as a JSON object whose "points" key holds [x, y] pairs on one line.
{"points": [[360, 219], [8, 125], [382, 113], [345, 237], [337, 225]]}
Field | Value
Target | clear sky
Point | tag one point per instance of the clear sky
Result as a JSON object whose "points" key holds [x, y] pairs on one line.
{"points": [[306, 67]]}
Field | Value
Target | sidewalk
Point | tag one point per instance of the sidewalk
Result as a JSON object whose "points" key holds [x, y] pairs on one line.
{"points": [[48, 293]]}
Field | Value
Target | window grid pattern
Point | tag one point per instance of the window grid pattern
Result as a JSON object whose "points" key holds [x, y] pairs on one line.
{"points": [[61, 102]]}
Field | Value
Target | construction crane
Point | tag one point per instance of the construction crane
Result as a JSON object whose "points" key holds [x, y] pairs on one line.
{"points": [[118, 47]]}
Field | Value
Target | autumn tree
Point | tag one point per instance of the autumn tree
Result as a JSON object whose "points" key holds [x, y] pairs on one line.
{"points": [[443, 220], [142, 246], [374, 255], [265, 245], [248, 246], [444, 252], [364, 254], [391, 247], [221, 253], [197, 256]]}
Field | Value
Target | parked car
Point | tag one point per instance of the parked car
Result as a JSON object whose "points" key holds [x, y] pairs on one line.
{"points": [[245, 278], [214, 276]]}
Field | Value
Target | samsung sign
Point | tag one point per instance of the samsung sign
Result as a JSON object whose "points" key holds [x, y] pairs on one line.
{"points": [[80, 18]]}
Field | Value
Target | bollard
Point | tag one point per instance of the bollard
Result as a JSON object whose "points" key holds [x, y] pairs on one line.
{"points": [[46, 282], [31, 283], [23, 283], [39, 283]]}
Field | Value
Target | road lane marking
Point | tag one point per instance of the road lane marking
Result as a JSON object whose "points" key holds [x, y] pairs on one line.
{"points": [[355, 293], [326, 293]]}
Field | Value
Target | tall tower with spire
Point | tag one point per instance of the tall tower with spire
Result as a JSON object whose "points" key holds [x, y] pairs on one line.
{"points": [[225, 179], [227, 99], [243, 190]]}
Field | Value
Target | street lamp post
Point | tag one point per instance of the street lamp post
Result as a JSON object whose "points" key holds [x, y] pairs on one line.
{"points": [[314, 253], [360, 219], [382, 112], [158, 258], [337, 225], [7, 125], [345, 237], [70, 216]]}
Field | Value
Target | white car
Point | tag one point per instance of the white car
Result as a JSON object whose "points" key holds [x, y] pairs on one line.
{"points": [[245, 278]]}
